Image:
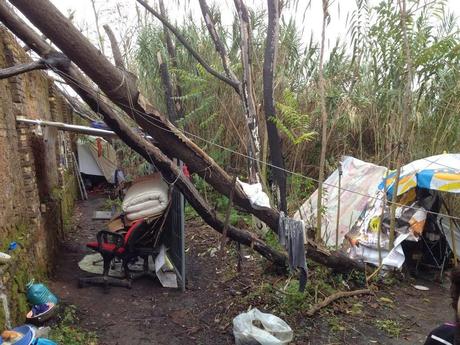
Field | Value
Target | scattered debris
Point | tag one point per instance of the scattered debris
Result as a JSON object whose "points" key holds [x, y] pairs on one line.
{"points": [[334, 297], [255, 327]]}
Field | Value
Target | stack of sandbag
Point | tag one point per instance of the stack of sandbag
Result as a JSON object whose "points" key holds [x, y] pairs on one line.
{"points": [[147, 197]]}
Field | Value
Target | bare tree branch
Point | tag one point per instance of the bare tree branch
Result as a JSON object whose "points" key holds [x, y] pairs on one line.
{"points": [[192, 51], [53, 60], [22, 68], [117, 57], [220, 47]]}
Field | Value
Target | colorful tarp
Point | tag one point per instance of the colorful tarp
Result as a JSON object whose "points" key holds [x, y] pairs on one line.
{"points": [[441, 172], [359, 181]]}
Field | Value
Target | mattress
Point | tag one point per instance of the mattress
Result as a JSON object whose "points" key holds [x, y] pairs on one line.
{"points": [[146, 198]]}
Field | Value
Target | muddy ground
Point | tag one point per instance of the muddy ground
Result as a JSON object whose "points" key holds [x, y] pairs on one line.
{"points": [[216, 292]]}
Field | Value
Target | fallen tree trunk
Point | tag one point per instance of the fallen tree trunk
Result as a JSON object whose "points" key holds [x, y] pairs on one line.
{"points": [[121, 89], [170, 140], [145, 148]]}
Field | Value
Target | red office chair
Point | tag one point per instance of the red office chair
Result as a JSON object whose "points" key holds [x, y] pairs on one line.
{"points": [[112, 245]]}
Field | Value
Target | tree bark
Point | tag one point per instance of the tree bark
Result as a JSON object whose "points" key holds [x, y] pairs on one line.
{"points": [[123, 92], [173, 60], [274, 140], [22, 68], [151, 153], [322, 93], [167, 86], [117, 57], [247, 92], [52, 60]]}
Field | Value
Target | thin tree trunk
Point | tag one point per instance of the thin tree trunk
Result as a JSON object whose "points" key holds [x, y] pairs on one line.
{"points": [[167, 86], [184, 42], [407, 109], [274, 140], [98, 31], [173, 60], [247, 92], [322, 93]]}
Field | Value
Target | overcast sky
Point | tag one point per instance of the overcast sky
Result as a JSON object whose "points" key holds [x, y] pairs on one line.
{"points": [[311, 23]]}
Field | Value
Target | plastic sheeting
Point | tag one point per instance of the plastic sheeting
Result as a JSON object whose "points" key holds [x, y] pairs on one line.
{"points": [[358, 176], [441, 172], [257, 197], [97, 157]]}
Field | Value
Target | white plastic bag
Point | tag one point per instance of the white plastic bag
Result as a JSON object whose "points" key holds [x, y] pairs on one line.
{"points": [[273, 330]]}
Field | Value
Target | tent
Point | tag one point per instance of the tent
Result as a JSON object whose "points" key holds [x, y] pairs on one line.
{"points": [[363, 211], [357, 176], [97, 157]]}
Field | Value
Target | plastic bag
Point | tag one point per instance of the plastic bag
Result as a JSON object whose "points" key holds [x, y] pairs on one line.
{"points": [[255, 327]]}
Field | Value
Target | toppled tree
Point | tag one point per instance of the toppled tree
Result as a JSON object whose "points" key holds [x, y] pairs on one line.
{"points": [[120, 87]]}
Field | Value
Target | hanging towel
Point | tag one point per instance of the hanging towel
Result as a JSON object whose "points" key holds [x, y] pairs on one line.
{"points": [[291, 236]]}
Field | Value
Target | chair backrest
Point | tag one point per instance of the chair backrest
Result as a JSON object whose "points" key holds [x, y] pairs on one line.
{"points": [[135, 231]]}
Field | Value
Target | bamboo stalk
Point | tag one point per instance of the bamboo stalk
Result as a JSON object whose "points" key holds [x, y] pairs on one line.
{"points": [[323, 123], [338, 208]]}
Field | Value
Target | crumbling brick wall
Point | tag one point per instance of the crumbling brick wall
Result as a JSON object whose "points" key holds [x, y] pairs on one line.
{"points": [[38, 189]]}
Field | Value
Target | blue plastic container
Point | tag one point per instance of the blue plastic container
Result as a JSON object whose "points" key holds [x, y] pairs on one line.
{"points": [[39, 294], [43, 341]]}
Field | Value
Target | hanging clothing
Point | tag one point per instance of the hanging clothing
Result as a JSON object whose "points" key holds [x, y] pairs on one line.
{"points": [[291, 236]]}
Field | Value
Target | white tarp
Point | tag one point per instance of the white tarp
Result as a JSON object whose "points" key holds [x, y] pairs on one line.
{"points": [[393, 258], [97, 157], [358, 176]]}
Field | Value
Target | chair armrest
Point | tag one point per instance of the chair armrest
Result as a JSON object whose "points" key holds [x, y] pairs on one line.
{"points": [[105, 236]]}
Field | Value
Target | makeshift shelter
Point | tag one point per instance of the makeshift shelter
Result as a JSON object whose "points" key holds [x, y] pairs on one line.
{"points": [[364, 214], [358, 181], [97, 157]]}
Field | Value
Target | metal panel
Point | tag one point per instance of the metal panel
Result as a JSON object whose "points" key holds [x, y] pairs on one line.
{"points": [[174, 235]]}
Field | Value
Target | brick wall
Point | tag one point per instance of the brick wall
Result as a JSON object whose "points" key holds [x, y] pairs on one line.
{"points": [[37, 188]]}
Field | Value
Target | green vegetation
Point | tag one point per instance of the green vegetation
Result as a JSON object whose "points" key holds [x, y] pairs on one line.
{"points": [[364, 79], [391, 327], [283, 297], [66, 332]]}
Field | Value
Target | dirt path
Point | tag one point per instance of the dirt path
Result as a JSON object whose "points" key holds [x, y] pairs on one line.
{"points": [[150, 314]]}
